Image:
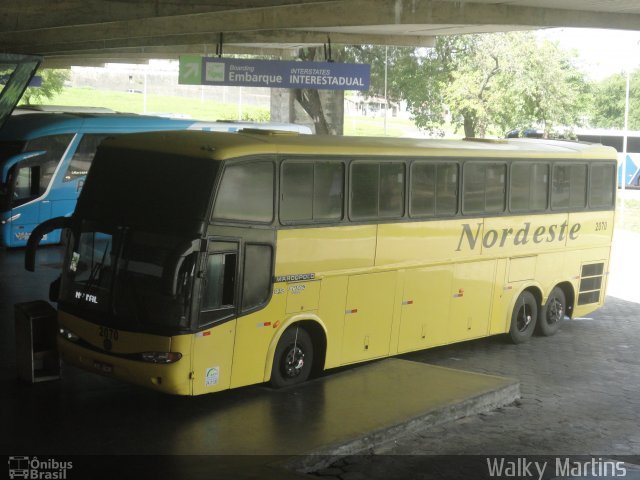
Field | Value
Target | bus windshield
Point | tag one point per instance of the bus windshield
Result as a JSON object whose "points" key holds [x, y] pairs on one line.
{"points": [[118, 275], [147, 191]]}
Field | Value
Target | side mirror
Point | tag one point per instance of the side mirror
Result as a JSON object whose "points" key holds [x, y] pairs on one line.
{"points": [[37, 234], [175, 261]]}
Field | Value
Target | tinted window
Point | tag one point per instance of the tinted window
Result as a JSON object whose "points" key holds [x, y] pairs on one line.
{"points": [[447, 190], [220, 281], [55, 146], [246, 193], [328, 191], [257, 276], [484, 188], [434, 189], [377, 190], [423, 189], [81, 161], [296, 196], [602, 182], [569, 186], [311, 191], [391, 202], [364, 190], [529, 187]]}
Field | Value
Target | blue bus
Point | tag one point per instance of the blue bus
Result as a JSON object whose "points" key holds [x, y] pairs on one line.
{"points": [[45, 155]]}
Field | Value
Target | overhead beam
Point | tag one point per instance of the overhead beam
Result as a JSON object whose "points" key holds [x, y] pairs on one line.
{"points": [[153, 53], [337, 13], [286, 38], [26, 15]]}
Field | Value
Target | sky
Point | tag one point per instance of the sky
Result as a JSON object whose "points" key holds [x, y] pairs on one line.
{"points": [[601, 52]]}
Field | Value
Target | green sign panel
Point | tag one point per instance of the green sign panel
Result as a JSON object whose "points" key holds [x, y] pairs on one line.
{"points": [[190, 70]]}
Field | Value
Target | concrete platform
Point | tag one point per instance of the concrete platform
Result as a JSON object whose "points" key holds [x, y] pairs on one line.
{"points": [[253, 432], [301, 429]]}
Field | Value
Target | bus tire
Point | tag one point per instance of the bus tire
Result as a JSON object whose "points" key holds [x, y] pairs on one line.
{"points": [[293, 358], [552, 313], [523, 318]]}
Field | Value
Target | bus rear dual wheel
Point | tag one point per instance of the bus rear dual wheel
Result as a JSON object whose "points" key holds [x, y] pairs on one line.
{"points": [[526, 317], [293, 358]]}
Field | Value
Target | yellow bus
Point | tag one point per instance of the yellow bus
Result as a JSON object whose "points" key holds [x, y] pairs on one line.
{"points": [[200, 261]]}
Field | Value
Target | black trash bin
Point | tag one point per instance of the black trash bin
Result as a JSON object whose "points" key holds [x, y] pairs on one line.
{"points": [[36, 330]]}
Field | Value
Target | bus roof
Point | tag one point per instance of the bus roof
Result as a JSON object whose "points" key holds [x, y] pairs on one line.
{"points": [[223, 146], [34, 124]]}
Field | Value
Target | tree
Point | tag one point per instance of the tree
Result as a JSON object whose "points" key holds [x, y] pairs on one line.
{"points": [[314, 103], [493, 81], [52, 84], [609, 101]]}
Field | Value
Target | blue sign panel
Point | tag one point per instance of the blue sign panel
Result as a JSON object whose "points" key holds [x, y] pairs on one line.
{"points": [[285, 74]]}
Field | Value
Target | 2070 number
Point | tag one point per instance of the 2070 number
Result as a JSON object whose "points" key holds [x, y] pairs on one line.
{"points": [[600, 226], [108, 333]]}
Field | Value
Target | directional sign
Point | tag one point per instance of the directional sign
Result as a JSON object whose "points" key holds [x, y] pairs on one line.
{"points": [[190, 70], [275, 73]]}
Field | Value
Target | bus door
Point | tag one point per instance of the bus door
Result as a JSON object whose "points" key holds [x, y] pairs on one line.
{"points": [[30, 176], [212, 350]]}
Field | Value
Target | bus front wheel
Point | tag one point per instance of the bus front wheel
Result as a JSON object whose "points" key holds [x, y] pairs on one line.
{"points": [[293, 358], [552, 314], [523, 318]]}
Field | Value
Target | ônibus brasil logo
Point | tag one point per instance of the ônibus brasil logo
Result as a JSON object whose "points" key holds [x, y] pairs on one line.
{"points": [[34, 468]]}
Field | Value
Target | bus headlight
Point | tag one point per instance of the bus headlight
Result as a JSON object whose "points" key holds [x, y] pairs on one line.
{"points": [[68, 335], [160, 357]]}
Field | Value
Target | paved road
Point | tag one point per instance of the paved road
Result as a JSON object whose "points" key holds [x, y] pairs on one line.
{"points": [[580, 391]]}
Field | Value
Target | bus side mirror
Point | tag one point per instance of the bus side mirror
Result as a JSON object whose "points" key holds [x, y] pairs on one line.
{"points": [[172, 268], [37, 234]]}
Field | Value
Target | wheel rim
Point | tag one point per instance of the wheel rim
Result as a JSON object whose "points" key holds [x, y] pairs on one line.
{"points": [[555, 312], [293, 361], [523, 318]]}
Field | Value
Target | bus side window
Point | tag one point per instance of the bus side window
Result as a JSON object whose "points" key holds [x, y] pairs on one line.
{"points": [[484, 188], [218, 290], [81, 161], [246, 193], [602, 185], [55, 146], [257, 276], [27, 183], [569, 186]]}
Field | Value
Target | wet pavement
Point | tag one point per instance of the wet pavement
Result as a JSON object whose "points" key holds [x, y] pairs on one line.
{"points": [[580, 395]]}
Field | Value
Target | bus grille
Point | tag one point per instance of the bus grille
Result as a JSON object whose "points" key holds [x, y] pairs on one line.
{"points": [[591, 283]]}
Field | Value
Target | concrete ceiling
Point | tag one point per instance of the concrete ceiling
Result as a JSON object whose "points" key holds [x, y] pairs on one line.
{"points": [[88, 32]]}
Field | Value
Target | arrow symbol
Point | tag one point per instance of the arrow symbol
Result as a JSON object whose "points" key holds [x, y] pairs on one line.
{"points": [[191, 70]]}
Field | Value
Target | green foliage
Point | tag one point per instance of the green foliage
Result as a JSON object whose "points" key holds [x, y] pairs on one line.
{"points": [[256, 116], [488, 83], [52, 85], [609, 100]]}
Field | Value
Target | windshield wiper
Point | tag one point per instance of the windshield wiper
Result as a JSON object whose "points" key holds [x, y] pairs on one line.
{"points": [[96, 268]]}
